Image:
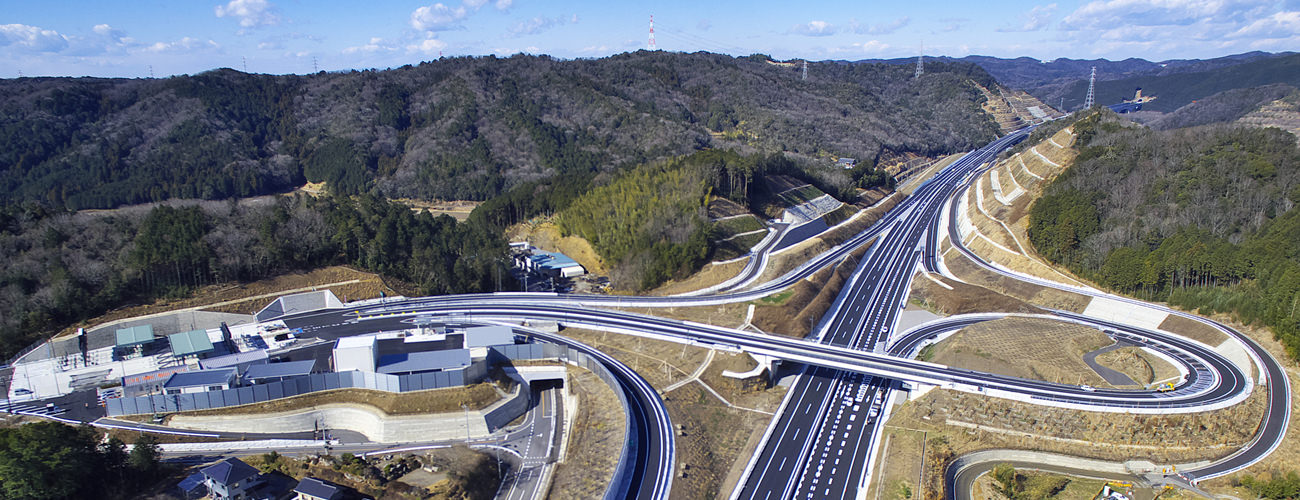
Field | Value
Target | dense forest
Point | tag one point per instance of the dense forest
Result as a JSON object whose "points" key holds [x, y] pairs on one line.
{"points": [[458, 128], [652, 222], [1202, 217], [50, 460], [1225, 106], [63, 268]]}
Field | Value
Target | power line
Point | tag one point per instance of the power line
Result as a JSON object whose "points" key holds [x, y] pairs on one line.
{"points": [[1092, 80], [693, 39], [920, 62], [651, 45]]}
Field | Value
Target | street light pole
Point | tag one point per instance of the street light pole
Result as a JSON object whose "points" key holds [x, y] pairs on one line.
{"points": [[466, 408]]}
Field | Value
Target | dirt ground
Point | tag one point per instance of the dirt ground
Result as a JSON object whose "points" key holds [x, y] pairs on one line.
{"points": [[544, 234], [595, 440], [1031, 348], [899, 464], [711, 274], [1139, 365], [963, 298], [457, 209]]}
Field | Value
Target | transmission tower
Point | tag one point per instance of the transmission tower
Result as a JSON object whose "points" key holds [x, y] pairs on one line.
{"points": [[245, 59], [920, 62], [1092, 80], [652, 33], [805, 70], [20, 73], [315, 68], [150, 71]]}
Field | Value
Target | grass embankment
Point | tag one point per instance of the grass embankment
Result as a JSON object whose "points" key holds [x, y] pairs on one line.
{"points": [[595, 439], [1031, 348], [717, 429]]}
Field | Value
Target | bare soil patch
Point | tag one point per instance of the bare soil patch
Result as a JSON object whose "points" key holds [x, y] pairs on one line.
{"points": [[1193, 329], [964, 298], [1138, 364], [809, 299], [899, 466], [1031, 348], [722, 207], [457, 209], [711, 274], [1028, 292], [595, 440]]}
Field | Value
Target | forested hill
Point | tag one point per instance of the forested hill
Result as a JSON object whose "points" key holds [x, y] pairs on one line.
{"points": [[457, 128], [1203, 217]]}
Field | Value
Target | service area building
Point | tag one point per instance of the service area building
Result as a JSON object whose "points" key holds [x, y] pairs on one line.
{"points": [[200, 381]]}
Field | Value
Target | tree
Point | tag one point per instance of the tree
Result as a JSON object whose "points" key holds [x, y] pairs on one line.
{"points": [[48, 460], [144, 456], [1008, 479]]}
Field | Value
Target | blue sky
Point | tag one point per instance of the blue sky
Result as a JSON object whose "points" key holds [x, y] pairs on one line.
{"points": [[127, 38]]}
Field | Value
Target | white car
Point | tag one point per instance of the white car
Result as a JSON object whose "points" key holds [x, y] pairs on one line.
{"points": [[1088, 388]]}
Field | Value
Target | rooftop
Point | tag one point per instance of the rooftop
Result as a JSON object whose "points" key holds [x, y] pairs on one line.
{"points": [[229, 471], [280, 370], [238, 358], [200, 378], [483, 336], [134, 335], [354, 342], [549, 260], [412, 362], [191, 342], [315, 487]]}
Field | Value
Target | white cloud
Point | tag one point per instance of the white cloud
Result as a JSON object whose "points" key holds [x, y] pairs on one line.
{"points": [[869, 47], [376, 44], [186, 44], [437, 16], [814, 28], [1105, 14], [428, 46], [540, 24], [32, 38], [250, 13], [504, 4], [1036, 19], [882, 28], [1278, 25]]}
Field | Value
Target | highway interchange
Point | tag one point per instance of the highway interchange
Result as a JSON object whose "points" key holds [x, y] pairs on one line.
{"points": [[821, 443]]}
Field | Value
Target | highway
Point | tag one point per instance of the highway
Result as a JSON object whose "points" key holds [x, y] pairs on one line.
{"points": [[1278, 411], [822, 440]]}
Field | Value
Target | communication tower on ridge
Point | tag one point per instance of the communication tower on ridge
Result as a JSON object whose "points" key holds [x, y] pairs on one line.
{"points": [[805, 70], [651, 45], [315, 68], [920, 62], [1092, 80]]}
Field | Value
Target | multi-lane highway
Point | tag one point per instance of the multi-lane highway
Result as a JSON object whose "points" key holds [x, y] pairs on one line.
{"points": [[1278, 412], [821, 442]]}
